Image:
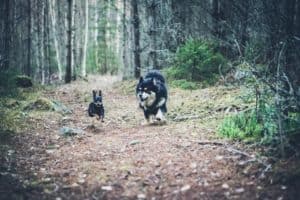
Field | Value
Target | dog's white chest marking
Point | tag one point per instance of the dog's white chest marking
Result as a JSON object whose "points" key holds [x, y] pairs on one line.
{"points": [[150, 99]]}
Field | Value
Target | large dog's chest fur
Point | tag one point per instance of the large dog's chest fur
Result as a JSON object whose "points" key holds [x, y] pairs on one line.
{"points": [[149, 101]]}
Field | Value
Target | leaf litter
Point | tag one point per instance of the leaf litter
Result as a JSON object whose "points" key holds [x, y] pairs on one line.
{"points": [[122, 159]]}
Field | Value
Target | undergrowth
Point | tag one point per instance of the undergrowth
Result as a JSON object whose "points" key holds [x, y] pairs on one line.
{"points": [[195, 61], [271, 121]]}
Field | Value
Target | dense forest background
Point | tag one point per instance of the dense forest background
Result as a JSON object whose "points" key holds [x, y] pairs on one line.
{"points": [[47, 40]]}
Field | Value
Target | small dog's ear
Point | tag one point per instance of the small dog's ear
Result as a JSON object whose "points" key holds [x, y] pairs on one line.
{"points": [[141, 79], [100, 93], [94, 94]]}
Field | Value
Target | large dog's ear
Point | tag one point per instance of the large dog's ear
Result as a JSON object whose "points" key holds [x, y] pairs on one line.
{"points": [[94, 95], [154, 81], [100, 93]]}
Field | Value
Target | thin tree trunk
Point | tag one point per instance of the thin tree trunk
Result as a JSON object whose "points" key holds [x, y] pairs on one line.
{"points": [[42, 44], [290, 11], [245, 15], [136, 29], [152, 34], [46, 42], [74, 43], [216, 18], [86, 31], [68, 76], [38, 43], [7, 30], [28, 66], [55, 38]]}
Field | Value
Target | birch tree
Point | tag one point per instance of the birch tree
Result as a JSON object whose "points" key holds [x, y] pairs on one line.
{"points": [[86, 31], [55, 38]]}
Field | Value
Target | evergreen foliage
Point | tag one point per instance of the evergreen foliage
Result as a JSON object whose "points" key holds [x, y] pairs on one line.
{"points": [[196, 60]]}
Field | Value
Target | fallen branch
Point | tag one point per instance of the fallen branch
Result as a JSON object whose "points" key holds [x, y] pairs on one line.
{"points": [[232, 150], [184, 118], [216, 143]]}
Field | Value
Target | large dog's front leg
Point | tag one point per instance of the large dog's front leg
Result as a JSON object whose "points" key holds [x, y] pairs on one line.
{"points": [[160, 117], [148, 117], [161, 102]]}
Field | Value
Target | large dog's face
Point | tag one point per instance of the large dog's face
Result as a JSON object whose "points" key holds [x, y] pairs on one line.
{"points": [[146, 90]]}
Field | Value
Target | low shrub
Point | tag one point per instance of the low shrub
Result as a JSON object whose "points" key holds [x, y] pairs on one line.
{"points": [[196, 60], [241, 126], [184, 84]]}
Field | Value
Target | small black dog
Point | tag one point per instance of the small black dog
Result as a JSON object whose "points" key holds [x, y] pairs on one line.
{"points": [[96, 107], [152, 95]]}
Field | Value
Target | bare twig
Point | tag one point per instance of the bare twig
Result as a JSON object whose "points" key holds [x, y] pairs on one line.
{"points": [[183, 118], [238, 47], [277, 102], [216, 143], [221, 74]]}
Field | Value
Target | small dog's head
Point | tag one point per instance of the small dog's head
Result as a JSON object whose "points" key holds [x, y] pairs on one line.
{"points": [[146, 88], [97, 99]]}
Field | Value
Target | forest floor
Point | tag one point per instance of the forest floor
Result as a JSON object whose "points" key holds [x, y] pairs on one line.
{"points": [[123, 159]]}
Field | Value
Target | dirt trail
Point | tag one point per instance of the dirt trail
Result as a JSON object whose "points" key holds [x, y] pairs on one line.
{"points": [[122, 159]]}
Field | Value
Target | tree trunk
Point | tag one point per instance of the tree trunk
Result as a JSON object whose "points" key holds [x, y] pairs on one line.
{"points": [[290, 11], [7, 37], [46, 42], [244, 34], [152, 31], [74, 41], [55, 38], [215, 18], [136, 29], [42, 44], [68, 76], [86, 31], [125, 42], [28, 66]]}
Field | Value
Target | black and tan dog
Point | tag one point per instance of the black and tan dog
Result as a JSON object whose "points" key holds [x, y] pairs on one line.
{"points": [[96, 107], [152, 94]]}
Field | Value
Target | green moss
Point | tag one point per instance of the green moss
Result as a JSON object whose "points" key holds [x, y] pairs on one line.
{"points": [[40, 104], [184, 84], [23, 81]]}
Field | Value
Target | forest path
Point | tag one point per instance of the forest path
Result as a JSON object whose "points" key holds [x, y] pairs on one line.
{"points": [[122, 159]]}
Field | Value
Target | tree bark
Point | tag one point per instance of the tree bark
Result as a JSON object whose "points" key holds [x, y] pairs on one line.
{"points": [[152, 31], [290, 11], [55, 38], [7, 37], [42, 44], [74, 41], [136, 29], [68, 76], [28, 66], [86, 31], [215, 18]]}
